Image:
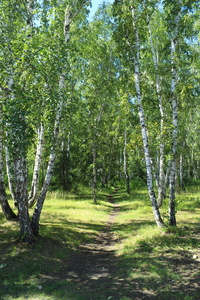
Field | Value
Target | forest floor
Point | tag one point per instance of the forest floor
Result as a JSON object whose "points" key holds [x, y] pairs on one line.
{"points": [[96, 268], [112, 251]]}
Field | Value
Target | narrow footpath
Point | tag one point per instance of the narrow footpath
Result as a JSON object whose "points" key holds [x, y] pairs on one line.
{"points": [[95, 264]]}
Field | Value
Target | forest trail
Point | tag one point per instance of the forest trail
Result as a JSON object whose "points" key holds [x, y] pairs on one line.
{"points": [[94, 265], [95, 269]]}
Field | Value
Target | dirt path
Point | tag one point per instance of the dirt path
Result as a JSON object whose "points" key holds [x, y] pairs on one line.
{"points": [[93, 267]]}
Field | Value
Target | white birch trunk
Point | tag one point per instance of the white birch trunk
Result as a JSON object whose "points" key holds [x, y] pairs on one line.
{"points": [[158, 90], [10, 177], [8, 161], [8, 212], [172, 216], [20, 175], [22, 198], [94, 171], [151, 192], [35, 182], [166, 178], [125, 164], [181, 172], [20, 159], [154, 173], [49, 173]]}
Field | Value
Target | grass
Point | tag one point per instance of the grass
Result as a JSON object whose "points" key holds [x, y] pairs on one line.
{"points": [[149, 262], [66, 222], [161, 260]]}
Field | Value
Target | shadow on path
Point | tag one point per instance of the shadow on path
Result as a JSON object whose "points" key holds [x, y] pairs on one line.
{"points": [[94, 271], [94, 261]]}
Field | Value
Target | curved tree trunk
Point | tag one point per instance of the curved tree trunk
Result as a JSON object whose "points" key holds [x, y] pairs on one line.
{"points": [[52, 157], [40, 202]]}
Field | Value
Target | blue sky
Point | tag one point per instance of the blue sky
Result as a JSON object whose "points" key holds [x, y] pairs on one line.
{"points": [[95, 4]]}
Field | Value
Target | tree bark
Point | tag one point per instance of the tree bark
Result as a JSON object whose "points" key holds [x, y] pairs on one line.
{"points": [[94, 178], [158, 90], [35, 182], [181, 172], [10, 177], [125, 163], [172, 213], [52, 157], [151, 192], [8, 212], [166, 178], [154, 173], [8, 161], [20, 169]]}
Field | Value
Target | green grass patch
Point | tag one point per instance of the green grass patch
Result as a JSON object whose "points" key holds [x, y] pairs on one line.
{"points": [[162, 262], [149, 262], [33, 271]]}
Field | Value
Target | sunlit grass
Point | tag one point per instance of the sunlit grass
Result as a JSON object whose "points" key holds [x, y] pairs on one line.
{"points": [[136, 221], [67, 220], [149, 254], [146, 255]]}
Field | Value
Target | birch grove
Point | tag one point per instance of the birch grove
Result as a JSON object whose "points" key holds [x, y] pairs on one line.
{"points": [[19, 186], [137, 10], [94, 102]]}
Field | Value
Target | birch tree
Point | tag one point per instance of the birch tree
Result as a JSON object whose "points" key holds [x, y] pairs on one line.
{"points": [[33, 194], [125, 162], [160, 100], [15, 127], [137, 53], [31, 65], [36, 215], [8, 212], [174, 40], [133, 43], [156, 212]]}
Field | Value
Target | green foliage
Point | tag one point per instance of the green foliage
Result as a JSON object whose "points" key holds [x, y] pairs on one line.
{"points": [[99, 85]]}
